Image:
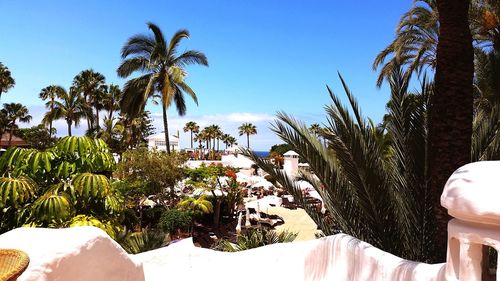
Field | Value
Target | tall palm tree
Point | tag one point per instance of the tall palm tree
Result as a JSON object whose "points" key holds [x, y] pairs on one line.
{"points": [[415, 43], [162, 70], [247, 129], [225, 139], [232, 141], [192, 127], [382, 200], [70, 107], [207, 134], [111, 100], [451, 107], [6, 80], [92, 85], [215, 134], [14, 112], [50, 93]]}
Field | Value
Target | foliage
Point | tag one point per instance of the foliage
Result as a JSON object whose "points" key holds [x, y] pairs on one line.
{"points": [[196, 206], [142, 241], [280, 148], [255, 238], [159, 170], [69, 106], [173, 219], [83, 220], [378, 198], [38, 137], [162, 72], [13, 112], [247, 129], [49, 188], [6, 80]]}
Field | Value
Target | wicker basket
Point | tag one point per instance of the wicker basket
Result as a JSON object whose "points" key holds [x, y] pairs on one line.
{"points": [[12, 264]]}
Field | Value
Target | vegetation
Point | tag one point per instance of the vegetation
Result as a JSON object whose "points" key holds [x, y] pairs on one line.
{"points": [[247, 129], [65, 185], [158, 170], [142, 241], [37, 137], [374, 190], [191, 127], [163, 70], [69, 107], [174, 220], [12, 113], [6, 80], [255, 238]]}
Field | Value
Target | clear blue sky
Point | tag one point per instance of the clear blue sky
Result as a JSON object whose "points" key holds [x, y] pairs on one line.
{"points": [[265, 56]]}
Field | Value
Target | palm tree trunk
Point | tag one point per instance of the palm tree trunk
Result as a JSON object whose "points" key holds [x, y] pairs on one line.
{"points": [[165, 126], [191, 139], [97, 117], [50, 123], [248, 140], [217, 144], [451, 107], [69, 127], [11, 133]]}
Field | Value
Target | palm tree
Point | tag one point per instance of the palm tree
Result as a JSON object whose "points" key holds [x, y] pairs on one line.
{"points": [[14, 112], [50, 93], [162, 72], [381, 200], [451, 110], [70, 107], [92, 85], [225, 139], [6, 80], [215, 133], [111, 100], [232, 141], [247, 129], [415, 43], [193, 128]]}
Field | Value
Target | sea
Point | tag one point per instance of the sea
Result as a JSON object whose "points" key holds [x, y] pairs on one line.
{"points": [[262, 154]]}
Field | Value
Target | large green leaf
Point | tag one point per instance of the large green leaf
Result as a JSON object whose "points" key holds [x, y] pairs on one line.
{"points": [[16, 191], [83, 220], [88, 185], [75, 145], [11, 160], [52, 207]]}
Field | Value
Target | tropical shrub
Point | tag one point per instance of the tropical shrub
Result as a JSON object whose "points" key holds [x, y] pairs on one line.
{"points": [[65, 185], [254, 238], [142, 241], [373, 179], [159, 171], [173, 220]]}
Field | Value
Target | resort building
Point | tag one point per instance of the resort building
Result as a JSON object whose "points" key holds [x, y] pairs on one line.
{"points": [[158, 142], [291, 162], [15, 141]]}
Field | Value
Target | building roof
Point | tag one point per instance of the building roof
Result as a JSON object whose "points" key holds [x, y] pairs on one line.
{"points": [[291, 153], [16, 141], [161, 137]]}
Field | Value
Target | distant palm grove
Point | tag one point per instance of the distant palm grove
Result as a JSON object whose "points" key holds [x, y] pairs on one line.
{"points": [[380, 182]]}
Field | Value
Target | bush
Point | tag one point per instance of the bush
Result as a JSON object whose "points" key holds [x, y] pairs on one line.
{"points": [[172, 220]]}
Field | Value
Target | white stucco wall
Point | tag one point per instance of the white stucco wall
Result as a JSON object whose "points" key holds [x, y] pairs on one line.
{"points": [[87, 253]]}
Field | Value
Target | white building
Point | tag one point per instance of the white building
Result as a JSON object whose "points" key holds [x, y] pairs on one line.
{"points": [[291, 163], [158, 141]]}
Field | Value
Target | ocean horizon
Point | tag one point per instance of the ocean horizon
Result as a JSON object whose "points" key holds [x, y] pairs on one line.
{"points": [[262, 154]]}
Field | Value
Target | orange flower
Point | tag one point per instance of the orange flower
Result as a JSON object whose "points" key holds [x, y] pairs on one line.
{"points": [[231, 174]]}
